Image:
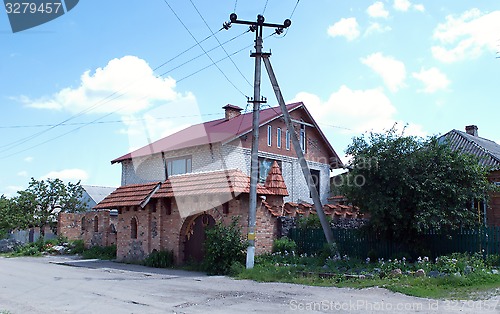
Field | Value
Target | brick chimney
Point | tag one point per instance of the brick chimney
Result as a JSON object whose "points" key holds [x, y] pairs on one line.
{"points": [[471, 129], [232, 111]]}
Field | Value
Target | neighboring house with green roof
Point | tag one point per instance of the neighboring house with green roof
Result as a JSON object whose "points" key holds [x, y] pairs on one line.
{"points": [[488, 153]]}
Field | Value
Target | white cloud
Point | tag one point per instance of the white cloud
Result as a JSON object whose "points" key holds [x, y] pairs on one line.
{"points": [[377, 28], [22, 173], [405, 5], [129, 76], [419, 7], [346, 27], [11, 190], [392, 71], [402, 5], [466, 36], [161, 121], [365, 110], [433, 79], [29, 159], [377, 10], [67, 175]]}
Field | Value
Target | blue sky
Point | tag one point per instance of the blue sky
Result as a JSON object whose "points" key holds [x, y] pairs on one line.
{"points": [[85, 88]]}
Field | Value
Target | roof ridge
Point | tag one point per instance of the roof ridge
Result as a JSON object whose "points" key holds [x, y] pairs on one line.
{"points": [[468, 137]]}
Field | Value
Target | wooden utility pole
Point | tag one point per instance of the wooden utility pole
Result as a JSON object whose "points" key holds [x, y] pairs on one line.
{"points": [[257, 27]]}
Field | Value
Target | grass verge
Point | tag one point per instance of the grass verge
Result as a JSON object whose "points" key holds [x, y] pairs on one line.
{"points": [[471, 286]]}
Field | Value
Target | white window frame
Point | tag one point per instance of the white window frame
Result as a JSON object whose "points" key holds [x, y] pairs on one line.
{"points": [[303, 139], [287, 140], [188, 164], [278, 137], [269, 135]]}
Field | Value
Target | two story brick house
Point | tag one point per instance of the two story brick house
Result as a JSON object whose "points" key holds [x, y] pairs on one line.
{"points": [[226, 144], [175, 187]]}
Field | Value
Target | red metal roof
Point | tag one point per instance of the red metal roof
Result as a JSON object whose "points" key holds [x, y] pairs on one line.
{"points": [[210, 132]]}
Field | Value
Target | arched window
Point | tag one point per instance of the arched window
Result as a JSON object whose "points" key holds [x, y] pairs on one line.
{"points": [[83, 224], [133, 228], [96, 224]]}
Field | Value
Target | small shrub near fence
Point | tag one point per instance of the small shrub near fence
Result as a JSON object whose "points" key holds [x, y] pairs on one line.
{"points": [[353, 242]]}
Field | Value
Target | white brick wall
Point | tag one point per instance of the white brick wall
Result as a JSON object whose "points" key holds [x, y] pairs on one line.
{"points": [[217, 157]]}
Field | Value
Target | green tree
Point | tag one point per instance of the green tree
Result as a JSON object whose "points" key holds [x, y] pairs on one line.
{"points": [[9, 218], [409, 184], [43, 200]]}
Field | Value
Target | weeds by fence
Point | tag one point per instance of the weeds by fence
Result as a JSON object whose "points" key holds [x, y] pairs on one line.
{"points": [[353, 242]]}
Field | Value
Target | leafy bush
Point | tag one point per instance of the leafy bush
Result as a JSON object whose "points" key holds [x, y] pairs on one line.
{"points": [[223, 246], [310, 222], [236, 269], [76, 247], [493, 260], [160, 259], [283, 245], [30, 249], [328, 251], [100, 252]]}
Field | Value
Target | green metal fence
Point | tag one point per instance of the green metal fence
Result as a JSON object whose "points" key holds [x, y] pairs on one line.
{"points": [[353, 242]]}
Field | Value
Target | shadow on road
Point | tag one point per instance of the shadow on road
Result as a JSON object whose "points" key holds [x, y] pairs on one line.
{"points": [[112, 265]]}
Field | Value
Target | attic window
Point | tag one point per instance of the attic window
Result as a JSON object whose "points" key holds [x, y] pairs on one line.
{"points": [[278, 138], [303, 137], [269, 135], [287, 140]]}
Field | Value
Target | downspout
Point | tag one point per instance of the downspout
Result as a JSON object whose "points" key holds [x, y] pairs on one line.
{"points": [[164, 165]]}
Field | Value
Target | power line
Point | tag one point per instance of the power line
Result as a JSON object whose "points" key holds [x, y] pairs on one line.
{"points": [[191, 34], [103, 122], [210, 65], [265, 6], [294, 8], [108, 114], [224, 49], [111, 97], [180, 54], [200, 55]]}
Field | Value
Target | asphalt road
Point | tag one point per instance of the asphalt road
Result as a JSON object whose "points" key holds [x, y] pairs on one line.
{"points": [[65, 285]]}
